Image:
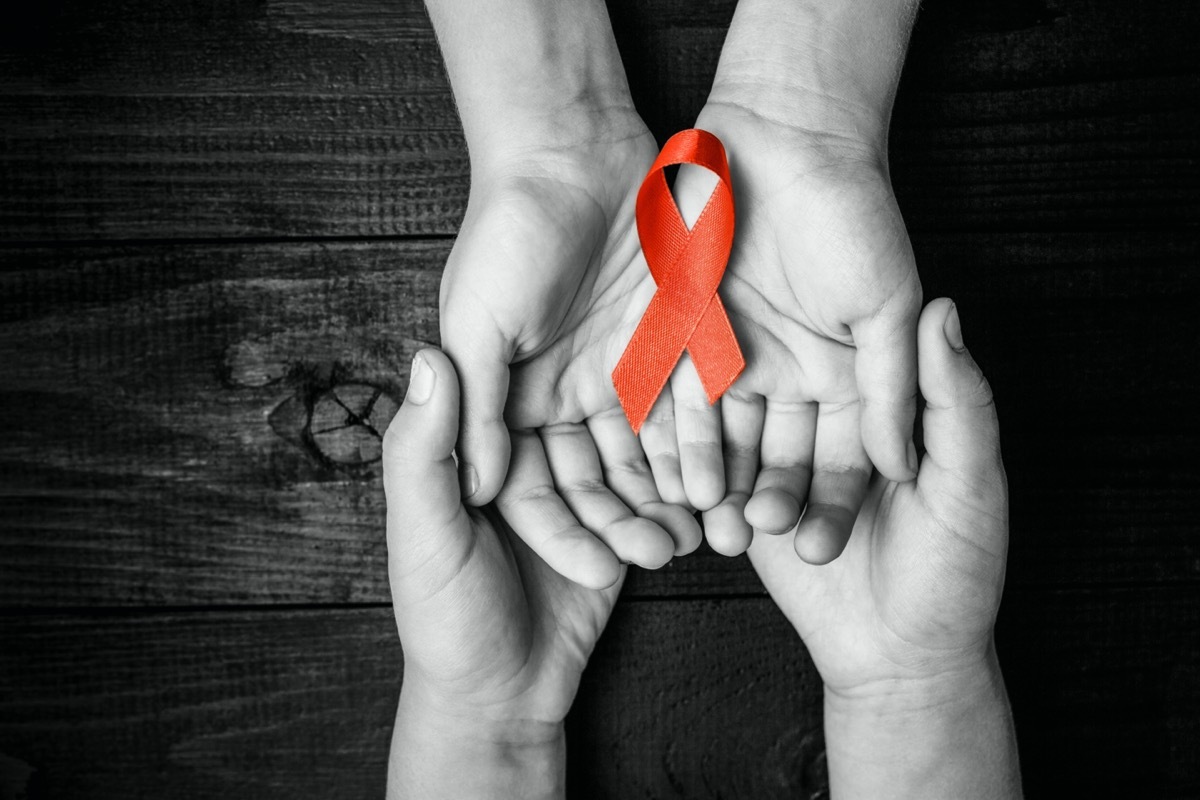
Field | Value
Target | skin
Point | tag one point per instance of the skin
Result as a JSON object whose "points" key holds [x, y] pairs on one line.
{"points": [[822, 272], [900, 627], [494, 639], [546, 283], [539, 290]]}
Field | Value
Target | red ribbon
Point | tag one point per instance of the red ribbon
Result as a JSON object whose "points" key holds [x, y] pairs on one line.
{"points": [[685, 312]]}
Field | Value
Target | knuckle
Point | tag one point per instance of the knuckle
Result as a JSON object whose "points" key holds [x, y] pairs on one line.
{"points": [[838, 407], [842, 475], [741, 451], [560, 537], [785, 473], [634, 467], [882, 404], [852, 471], [513, 498], [586, 487], [700, 444], [396, 453], [562, 430], [977, 393]]}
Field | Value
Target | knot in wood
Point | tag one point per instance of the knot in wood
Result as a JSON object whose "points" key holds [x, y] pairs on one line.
{"points": [[348, 422]]}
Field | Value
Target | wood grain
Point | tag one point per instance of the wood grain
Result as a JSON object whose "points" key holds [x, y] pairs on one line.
{"points": [[695, 699], [163, 451], [292, 118]]}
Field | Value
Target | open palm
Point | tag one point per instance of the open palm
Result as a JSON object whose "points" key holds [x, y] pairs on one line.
{"points": [[488, 628], [546, 279], [917, 589], [823, 293]]}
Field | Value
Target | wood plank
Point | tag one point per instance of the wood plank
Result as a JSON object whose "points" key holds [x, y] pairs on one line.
{"points": [[696, 699], [294, 118], [1075, 662], [159, 404]]}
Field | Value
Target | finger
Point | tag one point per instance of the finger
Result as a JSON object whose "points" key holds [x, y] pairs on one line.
{"points": [[662, 450], [546, 587], [575, 466], [534, 510], [725, 526], [697, 425], [481, 357], [698, 431], [841, 473], [628, 474], [885, 367], [419, 477], [789, 432], [961, 430]]}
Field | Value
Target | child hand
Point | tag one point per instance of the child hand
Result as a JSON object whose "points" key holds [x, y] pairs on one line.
{"points": [[915, 594], [900, 626], [494, 640]]}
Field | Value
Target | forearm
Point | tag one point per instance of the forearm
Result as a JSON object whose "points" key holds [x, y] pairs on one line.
{"points": [[531, 72], [436, 754], [950, 738], [830, 66]]}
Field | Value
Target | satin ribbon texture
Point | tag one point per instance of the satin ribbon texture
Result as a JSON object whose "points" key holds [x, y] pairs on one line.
{"points": [[685, 312]]}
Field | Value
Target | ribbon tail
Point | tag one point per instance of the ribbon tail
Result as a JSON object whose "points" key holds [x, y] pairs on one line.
{"points": [[655, 347], [715, 352]]}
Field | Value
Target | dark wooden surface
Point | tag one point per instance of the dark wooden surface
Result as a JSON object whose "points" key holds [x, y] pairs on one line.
{"points": [[218, 217]]}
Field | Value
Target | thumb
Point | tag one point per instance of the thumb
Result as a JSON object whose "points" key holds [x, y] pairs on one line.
{"points": [[961, 431], [419, 477], [481, 356]]}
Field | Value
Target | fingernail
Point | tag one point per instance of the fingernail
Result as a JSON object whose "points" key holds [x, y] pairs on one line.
{"points": [[952, 328], [469, 478], [421, 378], [913, 464]]}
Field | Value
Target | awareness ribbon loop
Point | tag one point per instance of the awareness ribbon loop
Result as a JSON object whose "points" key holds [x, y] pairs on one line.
{"points": [[685, 312]]}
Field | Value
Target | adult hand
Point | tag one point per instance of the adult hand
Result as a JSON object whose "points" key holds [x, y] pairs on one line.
{"points": [[544, 281], [494, 640], [900, 626], [823, 293], [546, 274], [822, 286], [821, 283]]}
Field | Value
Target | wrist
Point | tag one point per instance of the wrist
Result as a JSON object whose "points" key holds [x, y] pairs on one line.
{"points": [[823, 66], [532, 74], [945, 734], [574, 125], [580, 145], [441, 748]]}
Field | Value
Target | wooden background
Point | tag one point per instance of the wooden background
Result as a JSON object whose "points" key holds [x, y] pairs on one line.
{"points": [[221, 219]]}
